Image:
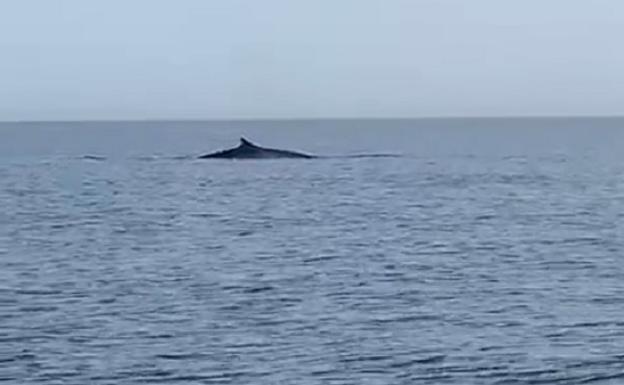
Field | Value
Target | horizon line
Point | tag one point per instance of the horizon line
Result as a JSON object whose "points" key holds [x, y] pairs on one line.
{"points": [[300, 119]]}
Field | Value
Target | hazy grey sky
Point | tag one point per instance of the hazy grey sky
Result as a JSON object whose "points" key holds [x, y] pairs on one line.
{"points": [[115, 59]]}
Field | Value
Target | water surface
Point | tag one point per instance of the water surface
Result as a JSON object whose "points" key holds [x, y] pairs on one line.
{"points": [[489, 252]]}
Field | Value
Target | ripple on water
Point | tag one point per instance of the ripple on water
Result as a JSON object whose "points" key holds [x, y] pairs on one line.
{"points": [[474, 259]]}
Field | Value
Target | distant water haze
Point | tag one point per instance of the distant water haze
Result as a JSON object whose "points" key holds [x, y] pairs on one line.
{"points": [[194, 59]]}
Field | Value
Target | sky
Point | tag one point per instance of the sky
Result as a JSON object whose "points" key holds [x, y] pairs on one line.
{"points": [[283, 59]]}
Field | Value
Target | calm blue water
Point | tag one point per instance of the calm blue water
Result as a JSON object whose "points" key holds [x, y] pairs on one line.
{"points": [[490, 252]]}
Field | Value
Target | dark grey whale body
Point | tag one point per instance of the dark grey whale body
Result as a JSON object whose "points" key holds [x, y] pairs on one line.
{"points": [[248, 150]]}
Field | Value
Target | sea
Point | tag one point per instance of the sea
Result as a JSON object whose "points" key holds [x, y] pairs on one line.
{"points": [[428, 251]]}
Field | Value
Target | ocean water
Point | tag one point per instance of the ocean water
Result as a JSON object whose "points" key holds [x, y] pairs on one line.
{"points": [[489, 251]]}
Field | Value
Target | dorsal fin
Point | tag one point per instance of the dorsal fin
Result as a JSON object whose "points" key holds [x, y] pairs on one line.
{"points": [[245, 142]]}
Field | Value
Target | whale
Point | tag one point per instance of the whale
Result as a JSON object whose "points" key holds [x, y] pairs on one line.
{"points": [[249, 150]]}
